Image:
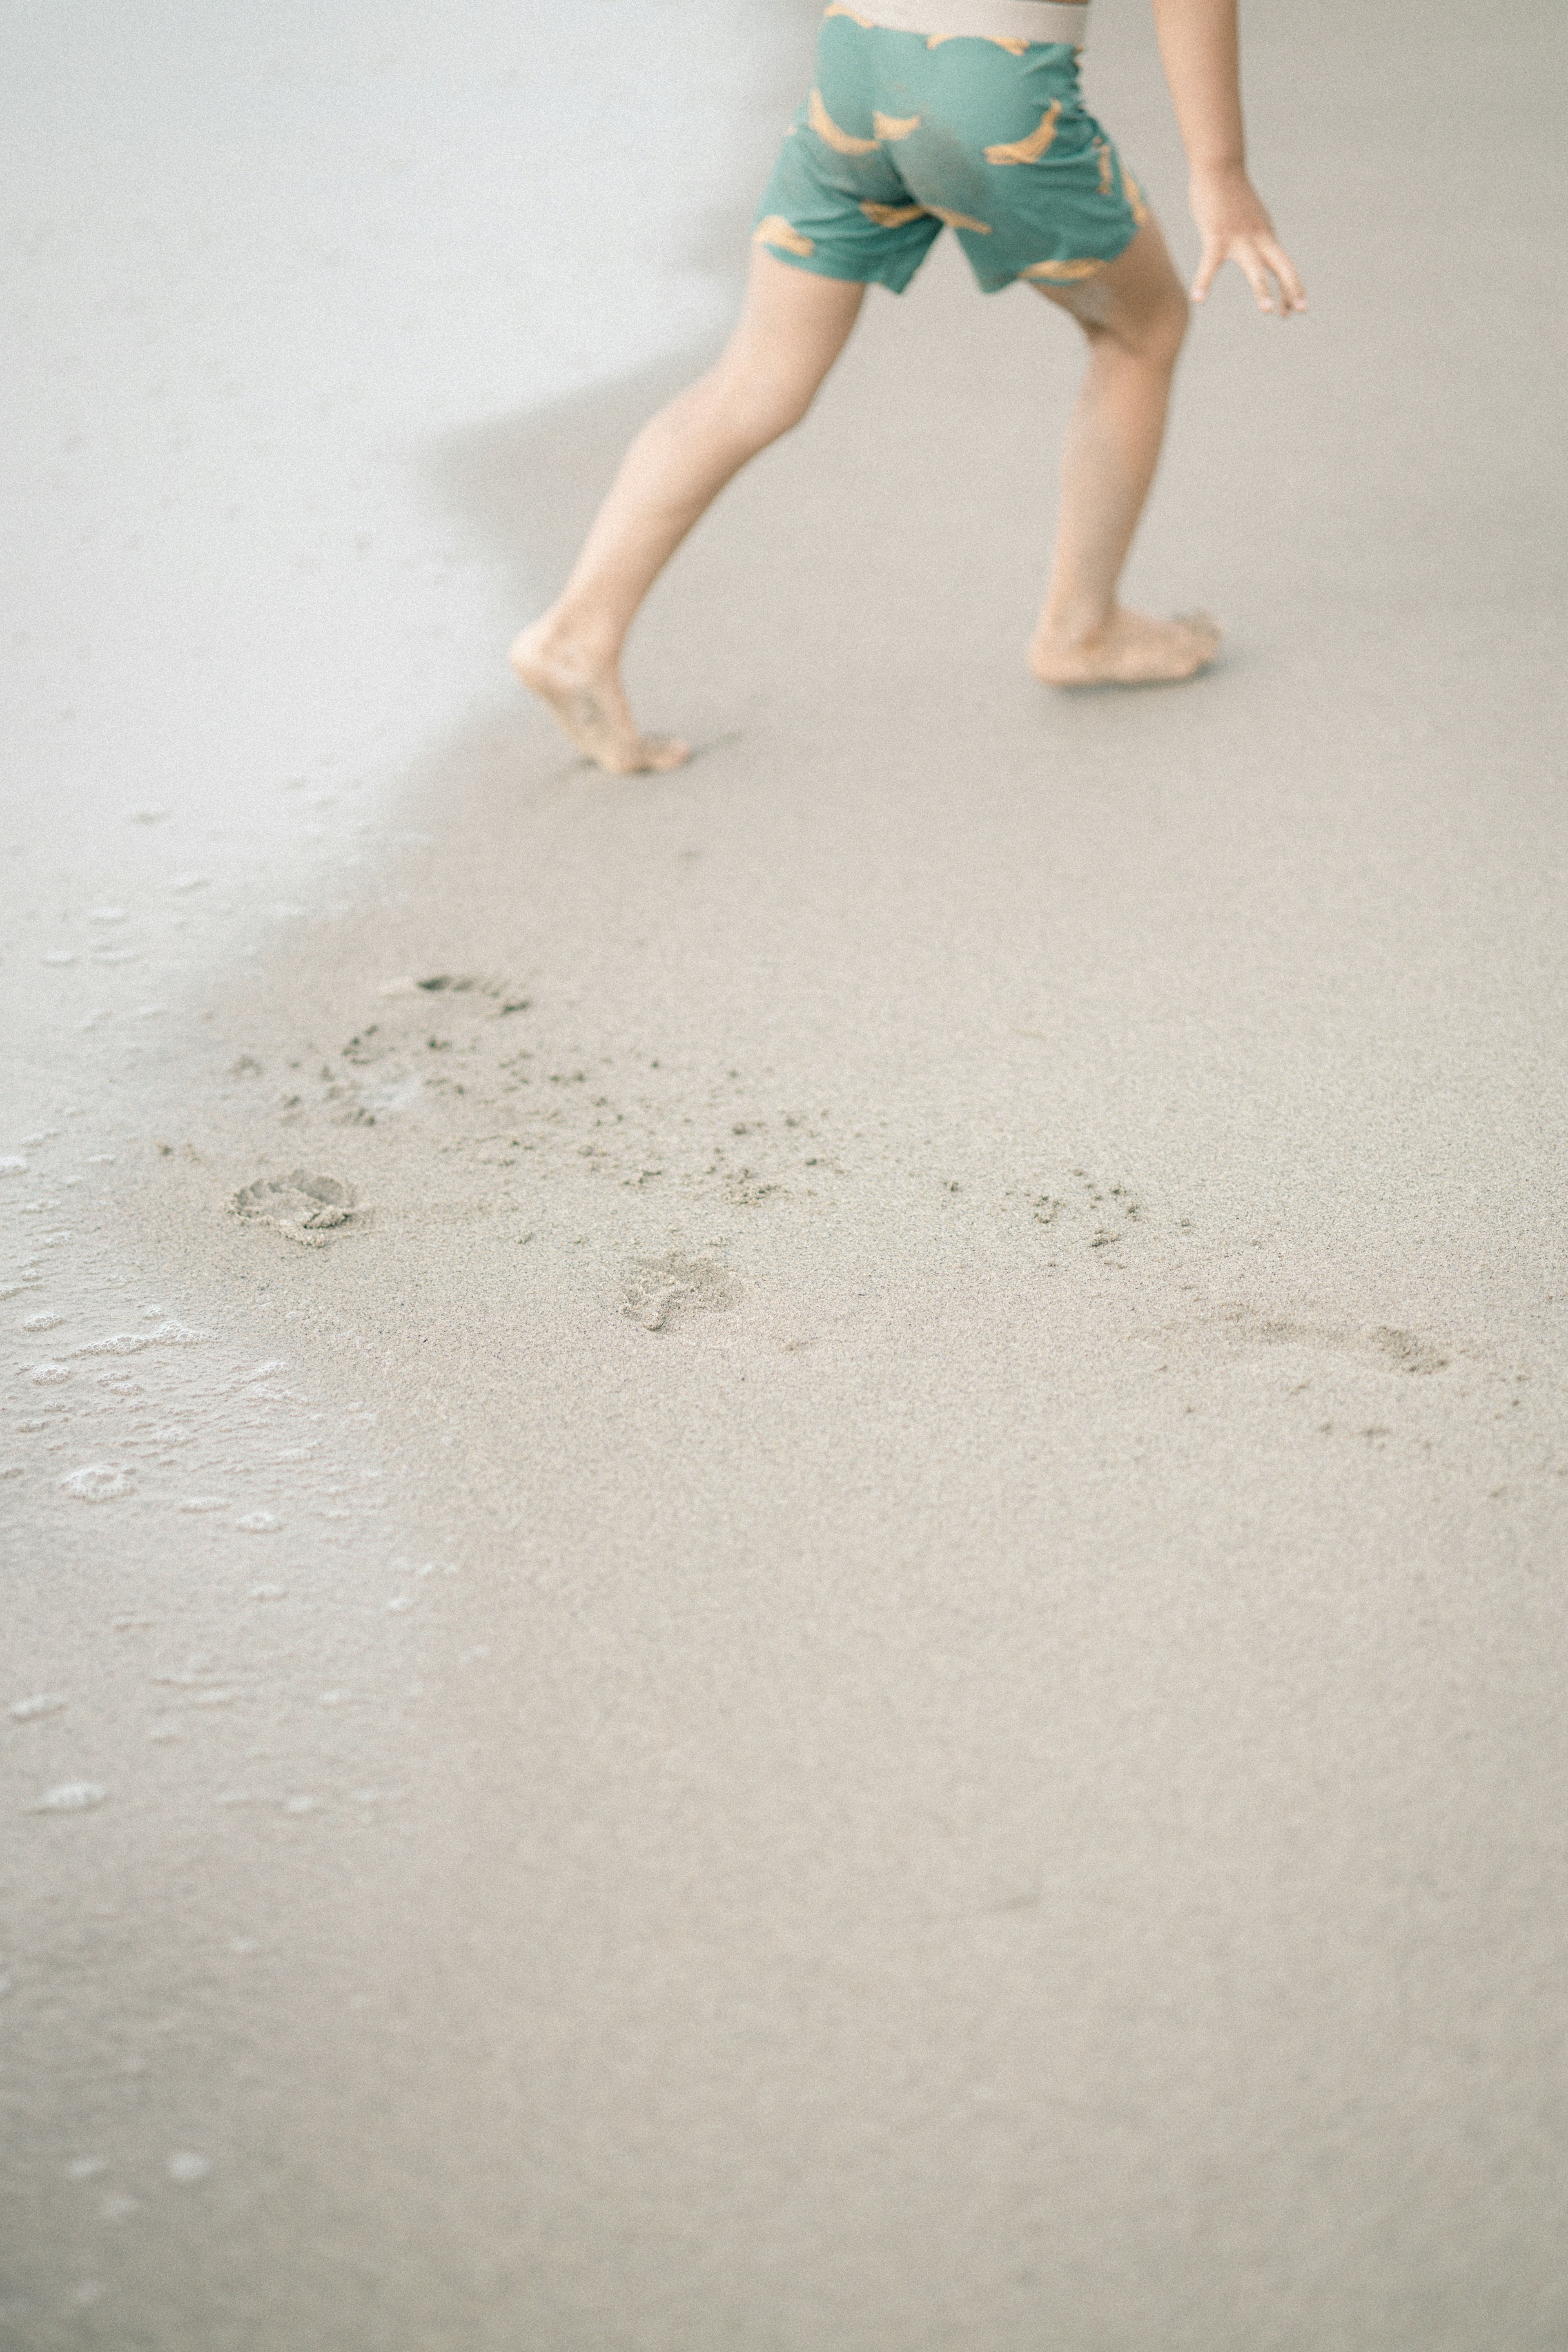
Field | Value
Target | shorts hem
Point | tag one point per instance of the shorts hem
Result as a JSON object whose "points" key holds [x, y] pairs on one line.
{"points": [[993, 284], [821, 265]]}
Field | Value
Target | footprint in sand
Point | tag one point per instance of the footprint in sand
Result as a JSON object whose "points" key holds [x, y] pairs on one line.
{"points": [[1384, 1345], [442, 984], [1110, 1213], [659, 1290], [307, 1208]]}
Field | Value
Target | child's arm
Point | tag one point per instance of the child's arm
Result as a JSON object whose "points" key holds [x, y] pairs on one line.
{"points": [[1198, 44]]}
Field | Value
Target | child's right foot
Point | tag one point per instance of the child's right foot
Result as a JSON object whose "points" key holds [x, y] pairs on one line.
{"points": [[1128, 650], [589, 703]]}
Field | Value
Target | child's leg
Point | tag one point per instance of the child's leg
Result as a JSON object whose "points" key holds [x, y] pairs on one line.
{"points": [[794, 327], [1135, 316]]}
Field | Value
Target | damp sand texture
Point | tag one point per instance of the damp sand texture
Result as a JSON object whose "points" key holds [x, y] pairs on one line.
{"points": [[786, 1542]]}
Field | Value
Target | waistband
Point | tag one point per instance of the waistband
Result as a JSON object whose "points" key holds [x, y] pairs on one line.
{"points": [[996, 20]]}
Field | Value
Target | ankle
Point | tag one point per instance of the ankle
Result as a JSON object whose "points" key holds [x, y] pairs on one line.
{"points": [[1076, 623], [583, 636]]}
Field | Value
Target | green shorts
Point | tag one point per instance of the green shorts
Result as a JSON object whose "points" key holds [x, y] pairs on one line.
{"points": [[906, 134]]}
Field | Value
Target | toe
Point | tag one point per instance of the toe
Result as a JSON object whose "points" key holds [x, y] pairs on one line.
{"points": [[1204, 627]]}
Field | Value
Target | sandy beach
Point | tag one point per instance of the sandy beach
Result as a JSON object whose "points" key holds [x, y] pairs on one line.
{"points": [[785, 1542]]}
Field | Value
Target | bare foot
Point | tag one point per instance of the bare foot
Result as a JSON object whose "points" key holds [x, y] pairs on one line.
{"points": [[1128, 650], [589, 702]]}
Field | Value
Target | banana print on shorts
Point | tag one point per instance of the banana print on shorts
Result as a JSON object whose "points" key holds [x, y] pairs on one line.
{"points": [[899, 128], [843, 143], [1065, 273], [776, 230], [1029, 149]]}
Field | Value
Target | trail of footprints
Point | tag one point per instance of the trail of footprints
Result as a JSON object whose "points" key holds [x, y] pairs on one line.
{"points": [[472, 1059], [499, 1085]]}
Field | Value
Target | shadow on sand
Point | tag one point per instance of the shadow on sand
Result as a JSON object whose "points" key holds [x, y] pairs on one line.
{"points": [[528, 486]]}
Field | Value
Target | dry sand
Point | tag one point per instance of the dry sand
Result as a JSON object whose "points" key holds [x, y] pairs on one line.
{"points": [[876, 1660]]}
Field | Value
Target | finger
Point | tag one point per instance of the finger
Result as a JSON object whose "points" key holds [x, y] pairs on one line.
{"points": [[1208, 270], [1244, 253], [1257, 276], [1285, 269]]}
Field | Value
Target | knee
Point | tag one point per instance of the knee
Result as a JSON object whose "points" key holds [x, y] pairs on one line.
{"points": [[1159, 335], [756, 406], [1148, 337]]}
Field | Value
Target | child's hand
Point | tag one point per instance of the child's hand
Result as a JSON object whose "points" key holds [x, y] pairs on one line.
{"points": [[1235, 227]]}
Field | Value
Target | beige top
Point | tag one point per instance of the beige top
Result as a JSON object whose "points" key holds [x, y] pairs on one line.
{"points": [[993, 20]]}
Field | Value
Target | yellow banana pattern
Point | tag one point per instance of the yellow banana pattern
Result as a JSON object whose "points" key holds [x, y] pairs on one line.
{"points": [[1083, 202], [1065, 273], [776, 230], [997, 41], [1029, 149], [843, 143]]}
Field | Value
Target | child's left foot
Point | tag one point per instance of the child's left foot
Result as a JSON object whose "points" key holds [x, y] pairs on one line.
{"points": [[589, 704], [1128, 649]]}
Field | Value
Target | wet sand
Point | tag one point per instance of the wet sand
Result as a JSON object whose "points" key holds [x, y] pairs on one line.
{"points": [[872, 1650]]}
